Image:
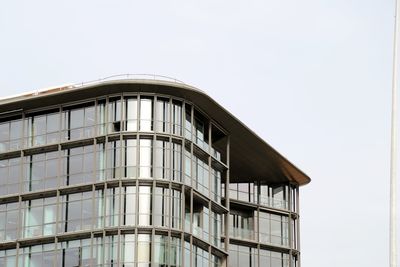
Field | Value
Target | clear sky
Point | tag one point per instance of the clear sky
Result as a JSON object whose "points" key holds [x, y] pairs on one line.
{"points": [[311, 77]]}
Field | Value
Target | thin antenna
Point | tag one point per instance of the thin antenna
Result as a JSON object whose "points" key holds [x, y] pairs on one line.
{"points": [[393, 150]]}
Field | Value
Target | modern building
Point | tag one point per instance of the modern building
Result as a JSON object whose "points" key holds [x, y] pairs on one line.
{"points": [[138, 171]]}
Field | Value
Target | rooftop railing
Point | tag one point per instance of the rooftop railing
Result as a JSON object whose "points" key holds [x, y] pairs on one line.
{"points": [[130, 76], [118, 77]]}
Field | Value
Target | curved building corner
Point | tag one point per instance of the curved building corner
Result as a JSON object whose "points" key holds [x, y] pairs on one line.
{"points": [[141, 172]]}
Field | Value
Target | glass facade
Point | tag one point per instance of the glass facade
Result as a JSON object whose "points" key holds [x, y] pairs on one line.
{"points": [[133, 180]]}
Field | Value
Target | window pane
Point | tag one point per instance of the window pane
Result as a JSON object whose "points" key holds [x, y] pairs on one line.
{"points": [[144, 250], [145, 205], [160, 207], [114, 115], [131, 114], [15, 134], [162, 115], [160, 250], [128, 250], [4, 131], [145, 158], [130, 158], [177, 118], [130, 205], [146, 114], [76, 118]]}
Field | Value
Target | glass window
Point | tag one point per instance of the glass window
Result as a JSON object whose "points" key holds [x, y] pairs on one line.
{"points": [[10, 173], [144, 250], [177, 162], [275, 229], [177, 117], [243, 256], [77, 211], [100, 162], [216, 261], [97, 252], [216, 185], [129, 205], [200, 257], [242, 224], [201, 176], [40, 216], [42, 129], [74, 253], [264, 220], [89, 119], [201, 221], [175, 252], [187, 254], [79, 122], [279, 259], [199, 131], [53, 126], [243, 192], [187, 214], [131, 158], [10, 135], [274, 196], [206, 223], [40, 171], [216, 226], [39, 255], [196, 219], [162, 116], [293, 241], [113, 160], [114, 115], [176, 202], [9, 221], [98, 208], [76, 121], [188, 168], [146, 114], [145, 205], [8, 258], [201, 134], [128, 250], [101, 117], [131, 113], [279, 194], [265, 258], [145, 158], [279, 229], [160, 251], [4, 136], [112, 203], [78, 165], [162, 159], [39, 130], [111, 251], [161, 206], [188, 122]]}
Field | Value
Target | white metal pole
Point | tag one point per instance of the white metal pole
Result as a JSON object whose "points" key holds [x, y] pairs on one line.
{"points": [[393, 150]]}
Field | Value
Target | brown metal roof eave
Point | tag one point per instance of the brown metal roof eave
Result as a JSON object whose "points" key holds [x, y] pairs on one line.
{"points": [[251, 157]]}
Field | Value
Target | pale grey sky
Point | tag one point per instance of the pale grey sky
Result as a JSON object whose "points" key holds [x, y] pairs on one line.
{"points": [[311, 77]]}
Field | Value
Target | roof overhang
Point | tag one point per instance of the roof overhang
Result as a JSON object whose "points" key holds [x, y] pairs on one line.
{"points": [[251, 158]]}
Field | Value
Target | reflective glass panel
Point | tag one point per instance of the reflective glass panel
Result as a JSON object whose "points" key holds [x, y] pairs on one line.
{"points": [[146, 114]]}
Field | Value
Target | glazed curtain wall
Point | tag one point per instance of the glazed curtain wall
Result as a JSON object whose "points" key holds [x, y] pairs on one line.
{"points": [[141, 249], [118, 159], [128, 157], [142, 205], [106, 116]]}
